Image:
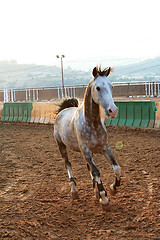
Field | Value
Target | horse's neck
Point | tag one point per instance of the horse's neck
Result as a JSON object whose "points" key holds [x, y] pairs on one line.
{"points": [[91, 109]]}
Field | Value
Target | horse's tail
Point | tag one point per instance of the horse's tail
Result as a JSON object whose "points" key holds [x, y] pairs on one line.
{"points": [[67, 103]]}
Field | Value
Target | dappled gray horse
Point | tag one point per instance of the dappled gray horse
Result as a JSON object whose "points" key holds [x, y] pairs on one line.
{"points": [[81, 129]]}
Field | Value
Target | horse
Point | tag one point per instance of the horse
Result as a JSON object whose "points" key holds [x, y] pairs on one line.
{"points": [[81, 129]]}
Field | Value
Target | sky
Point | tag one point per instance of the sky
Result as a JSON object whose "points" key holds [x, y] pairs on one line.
{"points": [[35, 31]]}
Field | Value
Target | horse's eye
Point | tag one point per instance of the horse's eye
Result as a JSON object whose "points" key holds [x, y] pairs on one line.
{"points": [[98, 88]]}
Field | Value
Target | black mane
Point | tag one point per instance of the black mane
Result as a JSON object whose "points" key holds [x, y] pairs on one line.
{"points": [[71, 102]]}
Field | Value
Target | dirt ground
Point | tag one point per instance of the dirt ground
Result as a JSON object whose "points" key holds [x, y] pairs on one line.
{"points": [[35, 199]]}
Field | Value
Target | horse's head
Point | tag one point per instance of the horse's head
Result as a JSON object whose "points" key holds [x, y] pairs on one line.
{"points": [[102, 91]]}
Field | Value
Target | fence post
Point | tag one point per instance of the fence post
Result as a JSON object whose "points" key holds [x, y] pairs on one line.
{"points": [[74, 92], [65, 92], [12, 95], [58, 93], [149, 89], [68, 92], [155, 89], [158, 90], [146, 89], [62, 92], [26, 96], [4, 94], [152, 89], [29, 94]]}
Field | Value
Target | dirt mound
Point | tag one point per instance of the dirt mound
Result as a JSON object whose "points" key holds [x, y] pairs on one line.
{"points": [[35, 200]]}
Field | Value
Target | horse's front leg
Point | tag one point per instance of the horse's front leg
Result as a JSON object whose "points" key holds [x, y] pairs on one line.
{"points": [[117, 169], [95, 174], [93, 182]]}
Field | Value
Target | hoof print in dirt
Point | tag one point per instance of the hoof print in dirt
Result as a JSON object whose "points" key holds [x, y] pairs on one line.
{"points": [[112, 191], [75, 195], [106, 207]]}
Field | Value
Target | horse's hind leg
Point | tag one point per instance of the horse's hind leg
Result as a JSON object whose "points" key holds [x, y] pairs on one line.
{"points": [[117, 169], [63, 151]]}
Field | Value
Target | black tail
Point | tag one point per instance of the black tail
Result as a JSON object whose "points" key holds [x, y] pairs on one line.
{"points": [[71, 102]]}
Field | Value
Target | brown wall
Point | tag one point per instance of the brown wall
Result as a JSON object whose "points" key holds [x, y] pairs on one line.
{"points": [[79, 92], [1, 96], [47, 94], [128, 90]]}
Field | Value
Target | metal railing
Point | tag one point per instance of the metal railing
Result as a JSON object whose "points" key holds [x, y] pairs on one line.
{"points": [[124, 89]]}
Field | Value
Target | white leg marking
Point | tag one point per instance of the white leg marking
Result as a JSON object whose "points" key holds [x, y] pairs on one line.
{"points": [[117, 170], [103, 200], [69, 172], [91, 176], [98, 180], [112, 188]]}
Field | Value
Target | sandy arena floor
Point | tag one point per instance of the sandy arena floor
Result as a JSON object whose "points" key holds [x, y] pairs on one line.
{"points": [[35, 200]]}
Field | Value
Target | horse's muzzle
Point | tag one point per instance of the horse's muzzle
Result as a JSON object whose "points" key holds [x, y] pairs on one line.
{"points": [[112, 112]]}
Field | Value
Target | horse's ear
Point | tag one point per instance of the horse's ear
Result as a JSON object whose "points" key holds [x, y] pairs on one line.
{"points": [[109, 70], [95, 72]]}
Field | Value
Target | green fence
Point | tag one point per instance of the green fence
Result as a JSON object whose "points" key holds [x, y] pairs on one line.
{"points": [[130, 113], [134, 114], [14, 112]]}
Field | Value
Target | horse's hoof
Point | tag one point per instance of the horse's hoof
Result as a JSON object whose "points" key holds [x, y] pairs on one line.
{"points": [[75, 195], [106, 207], [112, 191]]}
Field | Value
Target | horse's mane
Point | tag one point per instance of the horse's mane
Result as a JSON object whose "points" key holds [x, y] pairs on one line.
{"points": [[71, 102]]}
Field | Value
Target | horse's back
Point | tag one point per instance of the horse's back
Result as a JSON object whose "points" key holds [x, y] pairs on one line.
{"points": [[65, 116], [64, 128]]}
